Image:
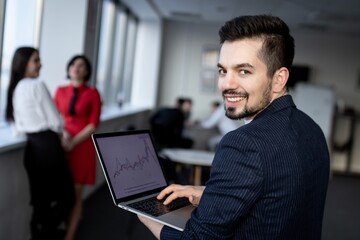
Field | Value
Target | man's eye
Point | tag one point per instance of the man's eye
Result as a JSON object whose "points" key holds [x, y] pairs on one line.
{"points": [[221, 71], [244, 72]]}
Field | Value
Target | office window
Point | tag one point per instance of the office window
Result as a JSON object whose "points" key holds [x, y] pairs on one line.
{"points": [[116, 53], [118, 57], [129, 58], [18, 31]]}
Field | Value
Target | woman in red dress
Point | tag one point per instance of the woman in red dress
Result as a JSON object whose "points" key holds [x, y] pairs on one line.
{"points": [[80, 106]]}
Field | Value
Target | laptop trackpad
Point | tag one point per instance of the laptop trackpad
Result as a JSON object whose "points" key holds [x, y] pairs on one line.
{"points": [[178, 217]]}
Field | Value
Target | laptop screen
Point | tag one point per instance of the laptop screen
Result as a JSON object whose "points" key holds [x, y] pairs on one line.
{"points": [[131, 163]]}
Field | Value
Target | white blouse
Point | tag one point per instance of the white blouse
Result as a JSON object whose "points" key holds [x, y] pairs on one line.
{"points": [[34, 109], [221, 121]]}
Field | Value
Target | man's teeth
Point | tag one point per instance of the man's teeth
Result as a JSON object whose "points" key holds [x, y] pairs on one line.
{"points": [[234, 99]]}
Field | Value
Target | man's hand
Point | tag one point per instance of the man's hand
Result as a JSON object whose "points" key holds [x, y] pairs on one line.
{"points": [[153, 226], [193, 193]]}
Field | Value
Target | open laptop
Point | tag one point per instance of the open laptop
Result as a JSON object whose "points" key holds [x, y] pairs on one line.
{"points": [[135, 174]]}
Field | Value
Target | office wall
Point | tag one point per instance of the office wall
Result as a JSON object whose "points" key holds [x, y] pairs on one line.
{"points": [[335, 62], [62, 37], [334, 59], [181, 64]]}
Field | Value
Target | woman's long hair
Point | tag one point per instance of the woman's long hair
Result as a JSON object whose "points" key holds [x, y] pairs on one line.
{"points": [[18, 69]]}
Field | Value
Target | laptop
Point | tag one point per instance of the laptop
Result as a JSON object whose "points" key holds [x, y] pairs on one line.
{"points": [[134, 174]]}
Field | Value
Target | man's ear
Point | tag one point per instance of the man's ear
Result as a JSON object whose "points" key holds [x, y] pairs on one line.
{"points": [[280, 79]]}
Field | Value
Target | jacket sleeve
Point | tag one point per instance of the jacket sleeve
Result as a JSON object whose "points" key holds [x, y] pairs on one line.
{"points": [[235, 185]]}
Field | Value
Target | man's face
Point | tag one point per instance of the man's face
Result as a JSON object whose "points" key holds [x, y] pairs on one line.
{"points": [[186, 107], [243, 79]]}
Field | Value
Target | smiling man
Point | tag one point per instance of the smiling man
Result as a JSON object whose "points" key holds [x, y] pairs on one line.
{"points": [[269, 177]]}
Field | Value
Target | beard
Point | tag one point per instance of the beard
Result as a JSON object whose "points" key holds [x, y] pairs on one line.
{"points": [[249, 111]]}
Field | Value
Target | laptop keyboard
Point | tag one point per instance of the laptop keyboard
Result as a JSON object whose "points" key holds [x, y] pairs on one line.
{"points": [[155, 207]]}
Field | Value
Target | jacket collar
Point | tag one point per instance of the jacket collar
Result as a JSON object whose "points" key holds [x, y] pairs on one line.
{"points": [[277, 105]]}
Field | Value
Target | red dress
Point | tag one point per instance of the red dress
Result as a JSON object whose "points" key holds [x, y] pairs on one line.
{"points": [[82, 159]]}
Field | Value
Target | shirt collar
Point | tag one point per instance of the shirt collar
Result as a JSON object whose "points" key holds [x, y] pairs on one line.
{"points": [[81, 87]]}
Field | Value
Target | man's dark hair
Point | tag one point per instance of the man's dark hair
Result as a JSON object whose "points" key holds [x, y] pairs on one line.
{"points": [[181, 100], [278, 45]]}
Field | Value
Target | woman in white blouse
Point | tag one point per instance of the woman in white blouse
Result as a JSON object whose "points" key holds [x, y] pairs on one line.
{"points": [[31, 111]]}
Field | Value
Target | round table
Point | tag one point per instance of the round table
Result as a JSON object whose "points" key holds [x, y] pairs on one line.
{"points": [[194, 157]]}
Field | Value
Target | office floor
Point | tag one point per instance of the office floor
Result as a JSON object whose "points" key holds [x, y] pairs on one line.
{"points": [[103, 221], [342, 209]]}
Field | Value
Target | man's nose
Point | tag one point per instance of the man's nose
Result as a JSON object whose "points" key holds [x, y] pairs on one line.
{"points": [[230, 81]]}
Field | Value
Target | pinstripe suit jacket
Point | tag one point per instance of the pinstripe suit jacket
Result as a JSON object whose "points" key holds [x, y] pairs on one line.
{"points": [[269, 180]]}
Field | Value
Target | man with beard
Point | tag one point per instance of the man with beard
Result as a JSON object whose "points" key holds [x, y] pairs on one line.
{"points": [[269, 177]]}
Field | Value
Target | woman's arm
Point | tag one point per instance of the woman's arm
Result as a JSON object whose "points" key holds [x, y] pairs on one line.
{"points": [[85, 133]]}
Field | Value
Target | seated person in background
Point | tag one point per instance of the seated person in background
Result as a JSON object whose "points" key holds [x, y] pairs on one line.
{"points": [[219, 120], [185, 105], [167, 125]]}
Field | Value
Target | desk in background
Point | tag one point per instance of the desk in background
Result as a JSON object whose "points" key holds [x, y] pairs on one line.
{"points": [[196, 158]]}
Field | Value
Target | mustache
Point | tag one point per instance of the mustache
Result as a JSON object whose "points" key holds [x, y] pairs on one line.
{"points": [[231, 92]]}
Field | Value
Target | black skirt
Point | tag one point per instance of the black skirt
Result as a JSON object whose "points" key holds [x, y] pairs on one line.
{"points": [[50, 178]]}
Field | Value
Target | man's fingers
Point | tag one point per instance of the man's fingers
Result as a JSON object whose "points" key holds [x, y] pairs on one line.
{"points": [[177, 191], [166, 191], [176, 194]]}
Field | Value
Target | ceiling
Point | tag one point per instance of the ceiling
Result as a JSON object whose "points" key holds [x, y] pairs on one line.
{"points": [[339, 16]]}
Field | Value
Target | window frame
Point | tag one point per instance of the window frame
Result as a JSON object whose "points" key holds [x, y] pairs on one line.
{"points": [[116, 53]]}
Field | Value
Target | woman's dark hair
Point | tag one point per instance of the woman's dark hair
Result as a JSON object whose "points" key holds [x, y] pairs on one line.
{"points": [[278, 47], [18, 69], [87, 64]]}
